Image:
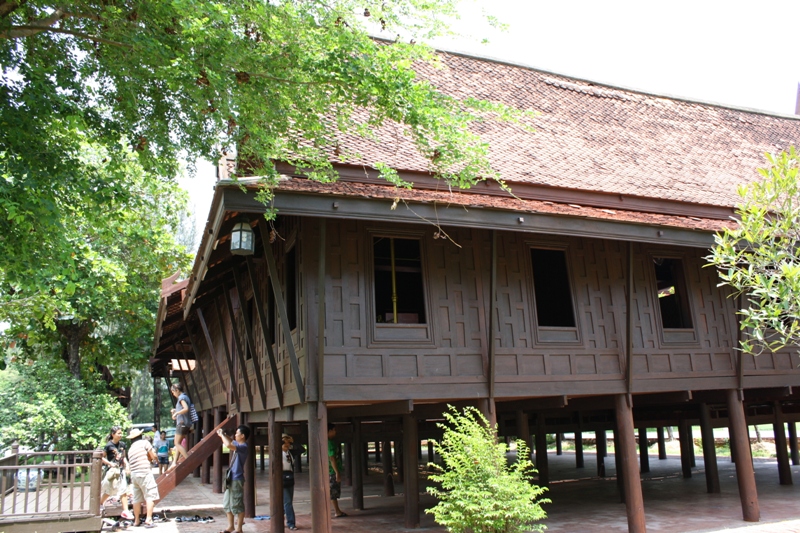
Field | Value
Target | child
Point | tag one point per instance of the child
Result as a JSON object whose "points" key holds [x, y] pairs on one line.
{"points": [[233, 499], [162, 448]]}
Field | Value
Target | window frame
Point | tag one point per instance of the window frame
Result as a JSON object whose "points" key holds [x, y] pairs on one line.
{"points": [[553, 335], [386, 334], [672, 336]]}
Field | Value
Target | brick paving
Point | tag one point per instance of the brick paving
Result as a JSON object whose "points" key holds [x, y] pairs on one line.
{"points": [[581, 502]]}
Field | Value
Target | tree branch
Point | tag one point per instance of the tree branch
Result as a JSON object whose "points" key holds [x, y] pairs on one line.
{"points": [[6, 8], [16, 32]]}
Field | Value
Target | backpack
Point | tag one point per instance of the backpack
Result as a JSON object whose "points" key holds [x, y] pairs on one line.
{"points": [[193, 413]]}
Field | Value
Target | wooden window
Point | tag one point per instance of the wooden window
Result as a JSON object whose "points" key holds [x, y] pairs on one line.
{"points": [[673, 299], [551, 289], [291, 288], [398, 285]]}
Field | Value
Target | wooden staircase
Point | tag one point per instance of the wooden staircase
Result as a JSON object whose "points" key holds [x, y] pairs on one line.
{"points": [[196, 456]]}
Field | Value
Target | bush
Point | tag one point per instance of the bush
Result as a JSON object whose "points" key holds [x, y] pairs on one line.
{"points": [[480, 492]]}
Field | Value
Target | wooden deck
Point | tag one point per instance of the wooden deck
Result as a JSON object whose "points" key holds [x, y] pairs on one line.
{"points": [[64, 497]]}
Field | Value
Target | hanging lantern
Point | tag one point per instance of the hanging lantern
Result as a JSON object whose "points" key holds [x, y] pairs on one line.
{"points": [[242, 239]]}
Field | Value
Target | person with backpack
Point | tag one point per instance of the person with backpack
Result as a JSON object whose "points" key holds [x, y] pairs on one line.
{"points": [[182, 415]]}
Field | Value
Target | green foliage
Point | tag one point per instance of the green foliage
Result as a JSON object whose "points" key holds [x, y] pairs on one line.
{"points": [[280, 80], [82, 257], [759, 258], [41, 403], [480, 492]]}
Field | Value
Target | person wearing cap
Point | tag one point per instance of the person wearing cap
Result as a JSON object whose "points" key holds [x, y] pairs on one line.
{"points": [[288, 480], [140, 460]]}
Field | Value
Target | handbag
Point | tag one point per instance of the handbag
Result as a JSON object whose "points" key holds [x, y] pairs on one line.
{"points": [[112, 474], [288, 479]]}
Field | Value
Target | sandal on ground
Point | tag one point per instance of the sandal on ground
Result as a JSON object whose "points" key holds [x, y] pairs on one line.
{"points": [[340, 515]]}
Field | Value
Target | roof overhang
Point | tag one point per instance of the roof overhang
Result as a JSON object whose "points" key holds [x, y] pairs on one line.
{"points": [[311, 199]]}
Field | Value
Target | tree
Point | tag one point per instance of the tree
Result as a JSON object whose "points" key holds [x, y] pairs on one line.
{"points": [[81, 260], [279, 80], [480, 492], [759, 259], [42, 404]]}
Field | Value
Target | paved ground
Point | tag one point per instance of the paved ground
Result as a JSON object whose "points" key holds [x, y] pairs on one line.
{"points": [[581, 502]]}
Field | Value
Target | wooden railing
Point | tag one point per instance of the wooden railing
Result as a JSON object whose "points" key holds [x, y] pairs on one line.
{"points": [[50, 486]]}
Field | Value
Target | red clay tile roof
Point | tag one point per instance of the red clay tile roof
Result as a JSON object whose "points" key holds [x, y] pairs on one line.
{"points": [[468, 200], [604, 139]]}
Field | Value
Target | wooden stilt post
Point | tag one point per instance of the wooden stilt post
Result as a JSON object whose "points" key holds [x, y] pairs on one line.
{"points": [[411, 460], [559, 448], [358, 460], [205, 468], [625, 448], [399, 460], [745, 475], [541, 451], [196, 437], [347, 474], [275, 473], [685, 442], [386, 461], [431, 457], [377, 452], [709, 450], [793, 443], [249, 473], [216, 476], [644, 456], [318, 480], [579, 449], [781, 448], [662, 444], [262, 456], [600, 446], [523, 428], [365, 459], [619, 467]]}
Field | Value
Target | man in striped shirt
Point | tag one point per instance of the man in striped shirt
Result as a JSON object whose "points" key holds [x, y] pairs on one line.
{"points": [[140, 460]]}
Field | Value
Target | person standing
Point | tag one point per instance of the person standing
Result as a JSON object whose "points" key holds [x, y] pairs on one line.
{"points": [[288, 480], [233, 499], [162, 449], [183, 422], [114, 456], [335, 469], [140, 459]]}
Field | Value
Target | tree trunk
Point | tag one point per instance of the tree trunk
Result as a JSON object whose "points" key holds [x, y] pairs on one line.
{"points": [[73, 334]]}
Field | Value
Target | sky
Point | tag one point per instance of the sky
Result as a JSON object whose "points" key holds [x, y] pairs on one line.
{"points": [[736, 53]]}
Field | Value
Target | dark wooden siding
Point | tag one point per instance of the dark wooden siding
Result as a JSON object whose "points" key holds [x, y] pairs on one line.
{"points": [[450, 358]]}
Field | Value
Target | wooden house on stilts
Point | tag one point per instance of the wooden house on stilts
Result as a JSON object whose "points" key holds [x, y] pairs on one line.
{"points": [[578, 304]]}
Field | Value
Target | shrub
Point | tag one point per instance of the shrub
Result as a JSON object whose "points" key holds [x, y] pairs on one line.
{"points": [[479, 491]]}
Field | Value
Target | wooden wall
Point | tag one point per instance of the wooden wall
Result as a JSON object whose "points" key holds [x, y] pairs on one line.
{"points": [[448, 357]]}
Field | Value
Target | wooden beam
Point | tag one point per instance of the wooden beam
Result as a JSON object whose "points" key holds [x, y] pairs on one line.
{"points": [[709, 450], [376, 410], [248, 331], [625, 448], [492, 297], [211, 351], [199, 366], [740, 454], [228, 359], [262, 318], [629, 322], [216, 474], [411, 478], [237, 345], [359, 457], [781, 448], [280, 305], [318, 467], [275, 473]]}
